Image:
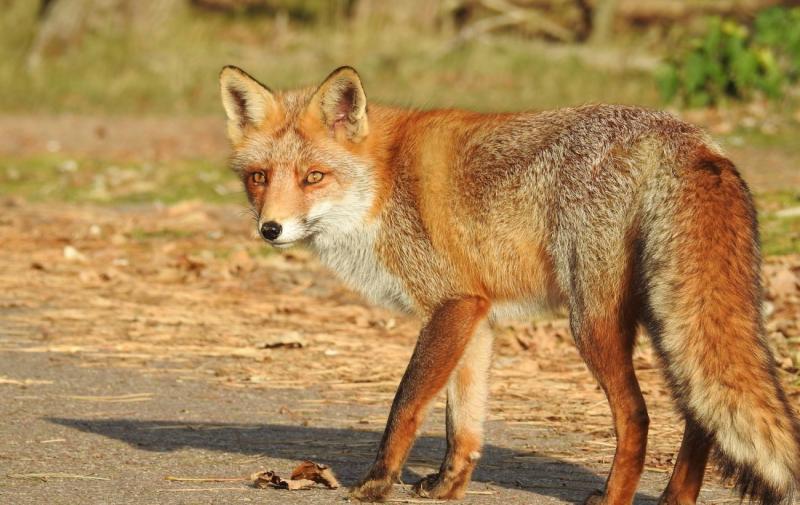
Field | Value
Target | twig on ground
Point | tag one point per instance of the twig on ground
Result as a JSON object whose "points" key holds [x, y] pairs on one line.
{"points": [[206, 479], [54, 475]]}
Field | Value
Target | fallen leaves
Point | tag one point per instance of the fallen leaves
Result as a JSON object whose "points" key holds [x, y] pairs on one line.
{"points": [[268, 478], [321, 474], [287, 340], [782, 282], [304, 476]]}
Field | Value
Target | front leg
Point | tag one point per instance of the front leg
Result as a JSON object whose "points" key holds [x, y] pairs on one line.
{"points": [[439, 349], [466, 409]]}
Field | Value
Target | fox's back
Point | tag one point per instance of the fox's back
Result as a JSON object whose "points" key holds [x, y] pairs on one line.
{"points": [[504, 201], [557, 160]]}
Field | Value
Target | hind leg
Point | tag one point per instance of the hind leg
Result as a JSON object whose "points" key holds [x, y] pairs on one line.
{"points": [[606, 344], [687, 477]]}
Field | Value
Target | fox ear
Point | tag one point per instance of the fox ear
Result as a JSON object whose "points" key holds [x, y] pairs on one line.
{"points": [[341, 104], [247, 102]]}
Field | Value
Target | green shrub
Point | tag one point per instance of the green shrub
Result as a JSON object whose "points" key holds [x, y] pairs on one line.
{"points": [[780, 29], [732, 61]]}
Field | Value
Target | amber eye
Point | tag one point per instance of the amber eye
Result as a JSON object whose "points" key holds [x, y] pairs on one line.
{"points": [[258, 178], [314, 177]]}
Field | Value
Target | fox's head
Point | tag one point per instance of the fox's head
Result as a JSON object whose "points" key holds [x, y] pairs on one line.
{"points": [[299, 154]]}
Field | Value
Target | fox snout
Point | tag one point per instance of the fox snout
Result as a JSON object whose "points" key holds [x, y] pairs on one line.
{"points": [[270, 230], [282, 233]]}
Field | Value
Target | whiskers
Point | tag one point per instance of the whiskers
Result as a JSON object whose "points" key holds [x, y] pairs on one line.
{"points": [[249, 211]]}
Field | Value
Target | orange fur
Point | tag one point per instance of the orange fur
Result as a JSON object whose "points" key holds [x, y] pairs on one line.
{"points": [[687, 477], [437, 353]]}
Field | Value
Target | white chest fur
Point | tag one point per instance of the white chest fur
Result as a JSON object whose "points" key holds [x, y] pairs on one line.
{"points": [[351, 256]]}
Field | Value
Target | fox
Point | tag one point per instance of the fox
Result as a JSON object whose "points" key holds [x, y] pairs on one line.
{"points": [[627, 218]]}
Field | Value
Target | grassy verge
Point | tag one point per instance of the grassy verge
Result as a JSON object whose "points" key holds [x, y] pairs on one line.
{"points": [[56, 179], [779, 219]]}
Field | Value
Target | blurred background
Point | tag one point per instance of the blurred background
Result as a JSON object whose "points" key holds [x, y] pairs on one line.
{"points": [[92, 83]]}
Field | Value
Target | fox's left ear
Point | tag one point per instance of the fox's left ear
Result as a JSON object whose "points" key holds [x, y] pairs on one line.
{"points": [[341, 104]]}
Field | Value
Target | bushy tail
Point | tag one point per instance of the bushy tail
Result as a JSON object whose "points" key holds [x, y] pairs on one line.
{"points": [[702, 271]]}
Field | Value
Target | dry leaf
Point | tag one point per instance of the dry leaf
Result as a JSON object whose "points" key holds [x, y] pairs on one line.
{"points": [[265, 479], [783, 283], [288, 340], [293, 485], [321, 474]]}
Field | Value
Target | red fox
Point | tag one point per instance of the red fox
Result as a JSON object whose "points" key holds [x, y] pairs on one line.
{"points": [[627, 217]]}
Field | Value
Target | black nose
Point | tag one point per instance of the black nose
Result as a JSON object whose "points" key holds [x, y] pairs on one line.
{"points": [[270, 230]]}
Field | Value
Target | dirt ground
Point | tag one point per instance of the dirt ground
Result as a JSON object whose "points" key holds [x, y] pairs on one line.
{"points": [[149, 342]]}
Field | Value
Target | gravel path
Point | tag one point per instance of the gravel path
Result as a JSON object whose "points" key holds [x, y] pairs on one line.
{"points": [[117, 434]]}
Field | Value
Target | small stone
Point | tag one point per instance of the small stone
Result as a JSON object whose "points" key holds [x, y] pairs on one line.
{"points": [[72, 254], [68, 166]]}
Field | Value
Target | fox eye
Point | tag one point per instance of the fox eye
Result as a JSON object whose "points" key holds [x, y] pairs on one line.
{"points": [[314, 177], [258, 178]]}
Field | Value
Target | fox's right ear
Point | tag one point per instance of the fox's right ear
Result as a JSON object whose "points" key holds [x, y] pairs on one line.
{"points": [[247, 102]]}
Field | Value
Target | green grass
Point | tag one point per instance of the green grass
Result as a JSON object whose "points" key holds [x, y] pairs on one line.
{"points": [[784, 139], [55, 178], [779, 235]]}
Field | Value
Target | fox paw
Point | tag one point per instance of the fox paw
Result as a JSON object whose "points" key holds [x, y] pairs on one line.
{"points": [[435, 486], [372, 490], [596, 498], [670, 499]]}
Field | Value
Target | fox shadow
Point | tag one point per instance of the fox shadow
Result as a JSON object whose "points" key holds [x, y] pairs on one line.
{"points": [[349, 452]]}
